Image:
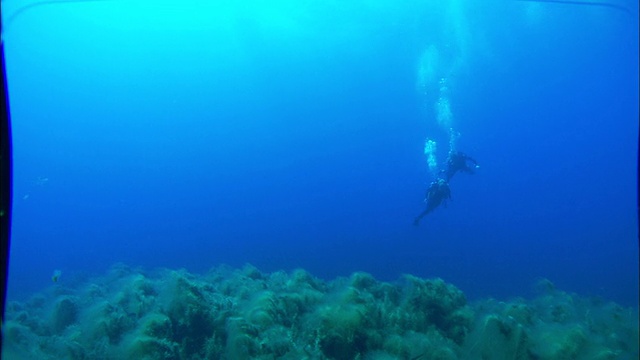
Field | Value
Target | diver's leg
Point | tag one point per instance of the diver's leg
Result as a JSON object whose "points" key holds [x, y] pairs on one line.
{"points": [[416, 221], [450, 174]]}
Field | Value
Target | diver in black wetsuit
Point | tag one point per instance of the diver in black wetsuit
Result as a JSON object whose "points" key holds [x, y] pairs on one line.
{"points": [[458, 161], [437, 193]]}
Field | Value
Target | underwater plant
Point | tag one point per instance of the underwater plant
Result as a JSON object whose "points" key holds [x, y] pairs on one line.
{"points": [[246, 314]]}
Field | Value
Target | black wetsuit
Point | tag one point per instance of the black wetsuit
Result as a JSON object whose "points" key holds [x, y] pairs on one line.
{"points": [[437, 193], [457, 161]]}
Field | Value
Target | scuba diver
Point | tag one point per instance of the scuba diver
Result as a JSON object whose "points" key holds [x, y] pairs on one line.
{"points": [[457, 161], [437, 193]]}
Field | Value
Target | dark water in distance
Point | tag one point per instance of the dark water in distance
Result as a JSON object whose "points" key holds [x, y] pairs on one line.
{"points": [[292, 135]]}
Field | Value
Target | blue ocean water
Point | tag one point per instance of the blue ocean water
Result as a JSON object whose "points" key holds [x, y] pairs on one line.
{"points": [[292, 135]]}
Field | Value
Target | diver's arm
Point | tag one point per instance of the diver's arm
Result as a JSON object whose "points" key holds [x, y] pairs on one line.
{"points": [[472, 160], [430, 191]]}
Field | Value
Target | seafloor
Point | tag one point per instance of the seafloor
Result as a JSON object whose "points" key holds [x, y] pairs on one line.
{"points": [[247, 314]]}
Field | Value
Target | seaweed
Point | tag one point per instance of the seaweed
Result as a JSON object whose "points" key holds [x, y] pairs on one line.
{"points": [[246, 314]]}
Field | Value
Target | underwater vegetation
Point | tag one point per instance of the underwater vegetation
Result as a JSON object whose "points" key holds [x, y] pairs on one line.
{"points": [[246, 314]]}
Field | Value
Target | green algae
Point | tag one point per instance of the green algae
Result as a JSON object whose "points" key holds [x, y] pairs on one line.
{"points": [[246, 314]]}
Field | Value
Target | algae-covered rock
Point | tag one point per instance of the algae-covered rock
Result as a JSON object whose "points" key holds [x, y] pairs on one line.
{"points": [[277, 341], [606, 355], [157, 325], [520, 312], [436, 303], [560, 342], [415, 345], [150, 348], [395, 345], [301, 279], [251, 272], [341, 331], [362, 281], [349, 322], [115, 323], [499, 338], [443, 354], [137, 297], [15, 334], [240, 339], [190, 313], [233, 314], [65, 313], [335, 346], [263, 309]]}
